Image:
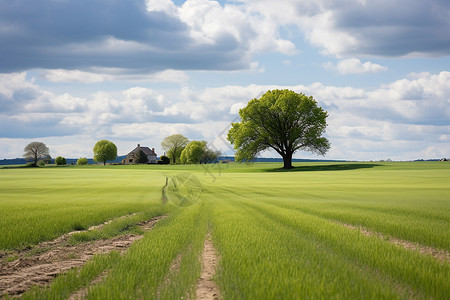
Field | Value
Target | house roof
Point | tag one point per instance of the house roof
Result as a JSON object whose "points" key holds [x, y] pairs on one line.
{"points": [[146, 150]]}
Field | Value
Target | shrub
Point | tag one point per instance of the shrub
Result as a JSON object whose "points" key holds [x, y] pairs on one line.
{"points": [[82, 161], [41, 163], [60, 161], [164, 160]]}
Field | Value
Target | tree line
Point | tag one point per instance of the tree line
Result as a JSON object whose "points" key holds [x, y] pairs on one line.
{"points": [[281, 120], [178, 148]]}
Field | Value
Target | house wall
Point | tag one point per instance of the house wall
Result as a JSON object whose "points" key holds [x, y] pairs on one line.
{"points": [[131, 159]]}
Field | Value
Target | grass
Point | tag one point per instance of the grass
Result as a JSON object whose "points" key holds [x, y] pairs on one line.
{"points": [[278, 233], [118, 226], [40, 204]]}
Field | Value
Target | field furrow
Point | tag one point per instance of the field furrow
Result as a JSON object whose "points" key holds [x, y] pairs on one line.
{"points": [[39, 266], [321, 230], [207, 289], [402, 266]]}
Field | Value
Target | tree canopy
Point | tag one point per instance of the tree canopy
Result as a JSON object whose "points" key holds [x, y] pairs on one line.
{"points": [[36, 151], [104, 150], [282, 120], [82, 161], [198, 152], [174, 145], [60, 161]]}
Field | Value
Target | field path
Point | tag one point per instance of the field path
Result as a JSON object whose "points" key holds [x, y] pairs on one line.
{"points": [[439, 254], [56, 257], [206, 287]]}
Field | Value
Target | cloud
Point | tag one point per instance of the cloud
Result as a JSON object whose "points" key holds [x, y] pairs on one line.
{"points": [[355, 66], [404, 119], [349, 28], [96, 75], [210, 22], [20, 95], [117, 38], [112, 34], [166, 6], [142, 36], [391, 28]]}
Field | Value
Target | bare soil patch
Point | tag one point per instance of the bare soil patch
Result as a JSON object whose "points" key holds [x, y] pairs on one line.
{"points": [[439, 254], [38, 266], [206, 287]]}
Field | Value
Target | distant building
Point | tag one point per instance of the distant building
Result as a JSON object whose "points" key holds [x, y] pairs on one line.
{"points": [[133, 156]]}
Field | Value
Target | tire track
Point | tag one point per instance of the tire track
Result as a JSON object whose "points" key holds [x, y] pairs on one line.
{"points": [[57, 257], [439, 254], [207, 289]]}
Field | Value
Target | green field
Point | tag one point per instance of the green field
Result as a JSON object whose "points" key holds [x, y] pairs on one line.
{"points": [[278, 234]]}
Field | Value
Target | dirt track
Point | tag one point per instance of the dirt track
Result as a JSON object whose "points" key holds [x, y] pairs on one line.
{"points": [[41, 264], [439, 254], [206, 287]]}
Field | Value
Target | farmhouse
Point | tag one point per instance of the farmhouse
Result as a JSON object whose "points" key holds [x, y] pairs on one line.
{"points": [[133, 156]]}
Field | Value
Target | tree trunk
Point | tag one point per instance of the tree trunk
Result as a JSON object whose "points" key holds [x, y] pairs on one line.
{"points": [[287, 159]]}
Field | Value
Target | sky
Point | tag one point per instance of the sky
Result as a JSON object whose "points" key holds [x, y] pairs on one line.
{"points": [[76, 72]]}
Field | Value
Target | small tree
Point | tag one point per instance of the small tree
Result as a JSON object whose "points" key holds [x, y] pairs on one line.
{"points": [[174, 145], [198, 152], [210, 156], [282, 120], [193, 152], [35, 151], [82, 161], [105, 150], [60, 161]]}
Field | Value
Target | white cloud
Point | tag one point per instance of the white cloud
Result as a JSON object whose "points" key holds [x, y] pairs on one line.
{"points": [[112, 74], [355, 66], [10, 83], [140, 36], [347, 28], [126, 35], [145, 37], [234, 109], [405, 119], [209, 22], [166, 6], [59, 75]]}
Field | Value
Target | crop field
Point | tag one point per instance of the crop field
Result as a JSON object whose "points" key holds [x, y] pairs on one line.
{"points": [[322, 231]]}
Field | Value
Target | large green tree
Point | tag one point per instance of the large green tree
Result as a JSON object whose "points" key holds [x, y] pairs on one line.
{"points": [[105, 150], [282, 120], [174, 145], [36, 151]]}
